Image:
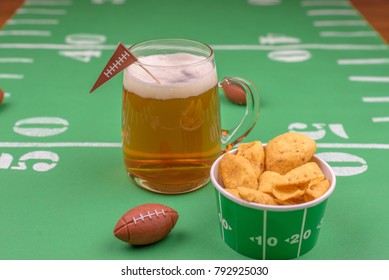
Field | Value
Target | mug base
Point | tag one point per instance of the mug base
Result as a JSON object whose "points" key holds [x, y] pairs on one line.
{"points": [[169, 188]]}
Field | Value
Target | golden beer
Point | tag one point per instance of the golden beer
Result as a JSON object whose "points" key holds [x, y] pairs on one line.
{"points": [[171, 118], [171, 131]]}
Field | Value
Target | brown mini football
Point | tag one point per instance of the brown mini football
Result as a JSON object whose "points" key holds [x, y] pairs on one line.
{"points": [[235, 93], [1, 95], [146, 224]]}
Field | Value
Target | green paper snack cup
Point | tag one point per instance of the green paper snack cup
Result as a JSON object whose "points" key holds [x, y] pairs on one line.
{"points": [[262, 231]]}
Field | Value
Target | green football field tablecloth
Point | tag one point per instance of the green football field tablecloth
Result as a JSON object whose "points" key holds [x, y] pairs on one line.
{"points": [[320, 70]]}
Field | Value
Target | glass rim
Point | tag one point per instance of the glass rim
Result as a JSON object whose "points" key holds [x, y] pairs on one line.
{"points": [[172, 44]]}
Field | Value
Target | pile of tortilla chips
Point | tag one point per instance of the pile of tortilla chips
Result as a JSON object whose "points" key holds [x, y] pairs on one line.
{"points": [[281, 173]]}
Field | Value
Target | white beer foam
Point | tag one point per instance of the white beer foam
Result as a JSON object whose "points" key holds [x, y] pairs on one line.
{"points": [[183, 78]]}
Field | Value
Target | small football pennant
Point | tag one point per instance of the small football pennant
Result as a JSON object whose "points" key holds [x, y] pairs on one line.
{"points": [[121, 59]]}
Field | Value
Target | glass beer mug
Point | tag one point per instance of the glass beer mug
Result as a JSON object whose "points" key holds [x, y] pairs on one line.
{"points": [[171, 118]]}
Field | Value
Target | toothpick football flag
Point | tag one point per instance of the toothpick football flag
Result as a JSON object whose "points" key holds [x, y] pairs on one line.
{"points": [[121, 59]]}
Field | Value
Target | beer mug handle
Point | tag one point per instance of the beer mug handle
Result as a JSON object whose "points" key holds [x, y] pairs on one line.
{"points": [[231, 137]]}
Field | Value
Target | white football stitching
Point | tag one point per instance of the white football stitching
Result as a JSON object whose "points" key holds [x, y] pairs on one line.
{"points": [[149, 215]]}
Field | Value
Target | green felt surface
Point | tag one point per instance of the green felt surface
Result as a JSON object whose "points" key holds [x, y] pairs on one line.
{"points": [[69, 211]]}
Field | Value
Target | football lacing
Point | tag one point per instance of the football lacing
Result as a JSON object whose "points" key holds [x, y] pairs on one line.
{"points": [[149, 215]]}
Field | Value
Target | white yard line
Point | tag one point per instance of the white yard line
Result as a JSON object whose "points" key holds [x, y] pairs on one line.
{"points": [[23, 11], [16, 60], [380, 119], [375, 99], [369, 79], [25, 33], [325, 23], [11, 76], [221, 214], [325, 3], [264, 234], [300, 47], [119, 145], [47, 3], [337, 12], [363, 61], [302, 232], [354, 145], [32, 21], [215, 47], [60, 145], [348, 34]]}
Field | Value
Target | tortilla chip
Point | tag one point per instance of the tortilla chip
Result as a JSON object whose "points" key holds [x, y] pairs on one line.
{"points": [[317, 189], [304, 174], [255, 153], [288, 151], [234, 192], [251, 195], [236, 171], [287, 192], [268, 180]]}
